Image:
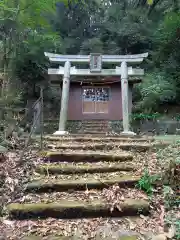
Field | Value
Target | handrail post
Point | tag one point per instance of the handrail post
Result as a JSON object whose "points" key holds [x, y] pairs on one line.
{"points": [[41, 117]]}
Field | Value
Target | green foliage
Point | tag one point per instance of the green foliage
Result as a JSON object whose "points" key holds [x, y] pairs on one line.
{"points": [[146, 182], [92, 45], [167, 56], [31, 65], [177, 117], [143, 116], [24, 6], [177, 225], [121, 28], [28, 28], [150, 2], [26, 33], [154, 91]]}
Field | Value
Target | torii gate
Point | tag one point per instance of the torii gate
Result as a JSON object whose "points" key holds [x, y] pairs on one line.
{"points": [[95, 60]]}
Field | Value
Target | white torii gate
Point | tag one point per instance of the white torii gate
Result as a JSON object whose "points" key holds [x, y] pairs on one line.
{"points": [[95, 61]]}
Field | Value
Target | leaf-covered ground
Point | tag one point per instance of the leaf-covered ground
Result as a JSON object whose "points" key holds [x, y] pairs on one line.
{"points": [[16, 175]]}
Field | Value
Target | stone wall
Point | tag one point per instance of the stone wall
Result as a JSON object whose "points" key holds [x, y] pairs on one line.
{"points": [[150, 127], [116, 126], [158, 127], [146, 127], [73, 126], [52, 126]]}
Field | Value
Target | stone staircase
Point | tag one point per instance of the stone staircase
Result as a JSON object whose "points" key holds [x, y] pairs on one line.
{"points": [[95, 127], [71, 180]]}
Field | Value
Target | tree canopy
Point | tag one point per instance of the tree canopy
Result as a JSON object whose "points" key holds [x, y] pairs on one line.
{"points": [[28, 28]]}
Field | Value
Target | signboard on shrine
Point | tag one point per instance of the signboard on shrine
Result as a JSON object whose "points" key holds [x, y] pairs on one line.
{"points": [[95, 62]]}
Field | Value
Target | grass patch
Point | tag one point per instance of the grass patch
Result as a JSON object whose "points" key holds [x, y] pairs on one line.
{"points": [[146, 182]]}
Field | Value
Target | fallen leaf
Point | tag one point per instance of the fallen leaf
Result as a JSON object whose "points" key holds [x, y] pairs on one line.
{"points": [[8, 222], [171, 232], [160, 237], [143, 217], [119, 207], [162, 215]]}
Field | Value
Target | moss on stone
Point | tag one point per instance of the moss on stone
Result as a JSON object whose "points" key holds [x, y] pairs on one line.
{"points": [[66, 169], [34, 237], [141, 147], [129, 238], [76, 209], [78, 138], [87, 156], [80, 184]]}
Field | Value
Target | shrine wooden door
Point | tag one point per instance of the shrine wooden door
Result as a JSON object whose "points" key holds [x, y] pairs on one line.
{"points": [[95, 100]]}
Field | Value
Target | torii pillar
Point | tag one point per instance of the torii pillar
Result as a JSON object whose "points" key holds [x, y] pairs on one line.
{"points": [[64, 100], [125, 100]]}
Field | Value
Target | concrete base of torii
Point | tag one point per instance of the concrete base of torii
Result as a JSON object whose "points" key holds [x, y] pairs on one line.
{"points": [[60, 133]]}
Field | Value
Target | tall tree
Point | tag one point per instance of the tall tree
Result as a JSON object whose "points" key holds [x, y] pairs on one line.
{"points": [[23, 22]]}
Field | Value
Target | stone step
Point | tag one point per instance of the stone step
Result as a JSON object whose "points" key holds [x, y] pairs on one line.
{"points": [[140, 147], [50, 123], [90, 135], [95, 125], [49, 120], [85, 122], [91, 127], [86, 138], [93, 132], [92, 156], [94, 129], [77, 209], [48, 184], [70, 169], [55, 237]]}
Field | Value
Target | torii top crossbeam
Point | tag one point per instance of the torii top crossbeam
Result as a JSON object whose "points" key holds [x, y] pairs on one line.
{"points": [[57, 58]]}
